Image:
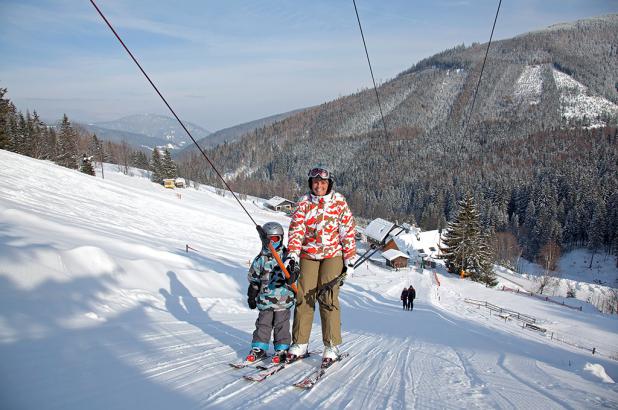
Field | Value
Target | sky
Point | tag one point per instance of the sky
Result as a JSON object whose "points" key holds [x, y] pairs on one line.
{"points": [[222, 63]]}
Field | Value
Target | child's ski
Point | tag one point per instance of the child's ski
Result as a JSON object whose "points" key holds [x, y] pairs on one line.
{"points": [[317, 374], [270, 369], [245, 363]]}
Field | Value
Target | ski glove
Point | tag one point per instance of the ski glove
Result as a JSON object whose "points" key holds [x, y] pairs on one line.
{"points": [[348, 270], [292, 257], [252, 293], [293, 268]]}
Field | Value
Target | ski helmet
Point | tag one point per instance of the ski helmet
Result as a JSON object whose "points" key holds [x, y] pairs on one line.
{"points": [[322, 173], [274, 229]]}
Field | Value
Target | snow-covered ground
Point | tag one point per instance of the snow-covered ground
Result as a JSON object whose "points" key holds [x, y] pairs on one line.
{"points": [[576, 103], [101, 307], [529, 85]]}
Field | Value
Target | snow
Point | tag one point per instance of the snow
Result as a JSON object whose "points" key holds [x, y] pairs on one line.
{"points": [[576, 104], [594, 283], [102, 308], [529, 85], [598, 371], [378, 229]]}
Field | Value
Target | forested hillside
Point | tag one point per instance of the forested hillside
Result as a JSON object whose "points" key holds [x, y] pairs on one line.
{"points": [[539, 153]]}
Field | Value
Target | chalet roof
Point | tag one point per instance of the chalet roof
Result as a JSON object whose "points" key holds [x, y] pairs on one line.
{"points": [[378, 229], [277, 201], [393, 254]]}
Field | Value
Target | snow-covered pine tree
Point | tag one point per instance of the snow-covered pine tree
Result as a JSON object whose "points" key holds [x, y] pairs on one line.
{"points": [[139, 160], [6, 112], [66, 147], [156, 167], [168, 166], [466, 247], [86, 165], [40, 148], [486, 260], [95, 148]]}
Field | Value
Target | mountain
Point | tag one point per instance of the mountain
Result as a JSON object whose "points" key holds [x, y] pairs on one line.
{"points": [[542, 129], [148, 130], [232, 134], [134, 139], [101, 307]]}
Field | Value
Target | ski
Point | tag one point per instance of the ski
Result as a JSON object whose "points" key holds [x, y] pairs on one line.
{"points": [[246, 363], [317, 374], [270, 369]]}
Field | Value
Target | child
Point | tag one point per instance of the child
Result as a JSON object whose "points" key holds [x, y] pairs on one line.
{"points": [[270, 293]]}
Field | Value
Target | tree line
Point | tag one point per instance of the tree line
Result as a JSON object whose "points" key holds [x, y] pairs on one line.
{"points": [[72, 146], [541, 180]]}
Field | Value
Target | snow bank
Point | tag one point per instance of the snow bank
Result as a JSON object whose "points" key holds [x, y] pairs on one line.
{"points": [[598, 371]]}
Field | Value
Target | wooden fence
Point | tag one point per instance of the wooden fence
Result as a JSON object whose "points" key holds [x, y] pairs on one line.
{"points": [[541, 297]]}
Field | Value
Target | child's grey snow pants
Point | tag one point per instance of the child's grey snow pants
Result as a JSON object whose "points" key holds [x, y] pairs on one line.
{"points": [[269, 321], [313, 275]]}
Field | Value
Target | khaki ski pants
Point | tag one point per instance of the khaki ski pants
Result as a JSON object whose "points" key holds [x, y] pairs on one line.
{"points": [[313, 275]]}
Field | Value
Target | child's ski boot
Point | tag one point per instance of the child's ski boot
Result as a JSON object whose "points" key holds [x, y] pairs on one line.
{"points": [[280, 356], [256, 354]]}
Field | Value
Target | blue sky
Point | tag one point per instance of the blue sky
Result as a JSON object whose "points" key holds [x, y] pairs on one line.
{"points": [[221, 63]]}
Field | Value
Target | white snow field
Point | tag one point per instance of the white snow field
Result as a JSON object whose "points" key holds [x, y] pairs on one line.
{"points": [[102, 308]]}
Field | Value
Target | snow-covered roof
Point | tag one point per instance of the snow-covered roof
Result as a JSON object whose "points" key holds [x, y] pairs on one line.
{"points": [[393, 254], [277, 200], [378, 229]]}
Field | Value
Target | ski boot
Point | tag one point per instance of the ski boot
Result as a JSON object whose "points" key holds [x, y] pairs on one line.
{"points": [[255, 354], [296, 351], [331, 353], [280, 356]]}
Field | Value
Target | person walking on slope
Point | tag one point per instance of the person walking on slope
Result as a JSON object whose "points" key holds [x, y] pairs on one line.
{"points": [[321, 239], [411, 297], [269, 292], [404, 298]]}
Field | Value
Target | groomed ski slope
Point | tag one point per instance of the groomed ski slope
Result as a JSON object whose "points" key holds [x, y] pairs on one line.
{"points": [[101, 308]]}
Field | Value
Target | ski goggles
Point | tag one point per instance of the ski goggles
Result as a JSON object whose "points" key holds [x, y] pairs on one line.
{"points": [[319, 173], [275, 238]]}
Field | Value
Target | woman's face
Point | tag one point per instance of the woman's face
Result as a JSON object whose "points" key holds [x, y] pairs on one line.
{"points": [[319, 186]]}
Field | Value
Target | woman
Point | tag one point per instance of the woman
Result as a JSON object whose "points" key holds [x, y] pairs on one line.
{"points": [[321, 238]]}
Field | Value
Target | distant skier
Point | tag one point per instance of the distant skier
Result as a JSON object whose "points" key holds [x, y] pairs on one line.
{"points": [[411, 297], [404, 298], [269, 292]]}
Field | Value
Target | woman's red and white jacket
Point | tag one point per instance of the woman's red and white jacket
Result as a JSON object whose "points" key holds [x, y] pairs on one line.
{"points": [[322, 227]]}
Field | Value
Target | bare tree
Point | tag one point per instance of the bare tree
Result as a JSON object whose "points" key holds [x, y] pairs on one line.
{"points": [[124, 157], [507, 249]]}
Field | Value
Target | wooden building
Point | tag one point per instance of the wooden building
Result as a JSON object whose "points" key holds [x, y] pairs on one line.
{"points": [[395, 259], [169, 183], [379, 230], [280, 204]]}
